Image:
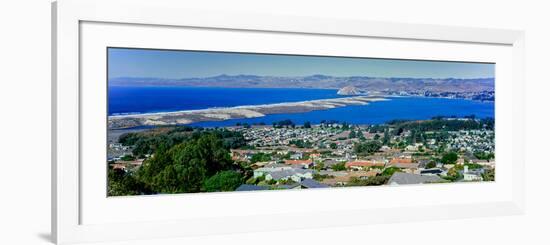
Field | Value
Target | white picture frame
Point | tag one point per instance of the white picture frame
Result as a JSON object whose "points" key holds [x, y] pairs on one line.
{"points": [[68, 17]]}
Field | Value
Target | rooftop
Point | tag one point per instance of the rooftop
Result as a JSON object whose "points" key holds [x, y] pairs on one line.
{"points": [[401, 161], [364, 164], [298, 161], [287, 173], [407, 179], [310, 183], [245, 187]]}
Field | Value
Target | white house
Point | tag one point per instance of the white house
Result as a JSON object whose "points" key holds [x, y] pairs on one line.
{"points": [[471, 176], [270, 169], [296, 175]]}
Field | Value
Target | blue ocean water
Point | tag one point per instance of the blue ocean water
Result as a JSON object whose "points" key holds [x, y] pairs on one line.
{"points": [[134, 100], [123, 100]]}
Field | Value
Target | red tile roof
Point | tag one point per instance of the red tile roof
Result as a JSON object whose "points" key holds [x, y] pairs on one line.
{"points": [[307, 162], [401, 161], [118, 166]]}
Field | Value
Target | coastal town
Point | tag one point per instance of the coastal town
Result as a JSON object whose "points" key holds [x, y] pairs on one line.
{"points": [[331, 153]]}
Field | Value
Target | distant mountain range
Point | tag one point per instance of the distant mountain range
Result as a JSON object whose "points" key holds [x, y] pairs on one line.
{"points": [[365, 83]]}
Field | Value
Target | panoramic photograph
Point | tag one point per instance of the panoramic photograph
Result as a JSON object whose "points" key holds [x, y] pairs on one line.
{"points": [[181, 121]]}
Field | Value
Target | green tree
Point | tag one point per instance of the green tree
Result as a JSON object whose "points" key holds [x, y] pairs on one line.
{"points": [[301, 143], [454, 173], [484, 156], [153, 166], [128, 158], [431, 164], [307, 124], [260, 157], [374, 180], [339, 167], [345, 126], [223, 181], [423, 138], [489, 175], [181, 178], [412, 137], [386, 139], [360, 134], [390, 171], [283, 123], [321, 177], [367, 147], [184, 167], [121, 183], [472, 166], [449, 158]]}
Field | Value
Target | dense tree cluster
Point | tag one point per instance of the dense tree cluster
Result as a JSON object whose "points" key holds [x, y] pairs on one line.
{"points": [[338, 167], [443, 124], [374, 180], [147, 142], [301, 143], [449, 158], [484, 155], [284, 123], [223, 181], [454, 173], [489, 175], [121, 183], [260, 157], [199, 161], [367, 148]]}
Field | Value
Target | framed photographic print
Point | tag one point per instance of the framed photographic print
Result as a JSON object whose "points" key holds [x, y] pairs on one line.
{"points": [[276, 123], [208, 123]]}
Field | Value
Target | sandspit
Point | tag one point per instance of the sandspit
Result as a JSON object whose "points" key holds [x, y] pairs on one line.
{"points": [[221, 114]]}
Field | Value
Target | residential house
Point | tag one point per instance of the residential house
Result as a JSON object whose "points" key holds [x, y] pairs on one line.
{"points": [[403, 163], [297, 155], [385, 148], [432, 171], [289, 186], [342, 178], [314, 155], [399, 178], [328, 163], [293, 174], [134, 163], [302, 163], [363, 165], [270, 169], [472, 175], [410, 148], [118, 166], [484, 162], [311, 184]]}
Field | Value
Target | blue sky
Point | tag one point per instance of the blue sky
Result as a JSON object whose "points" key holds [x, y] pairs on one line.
{"points": [[185, 64]]}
